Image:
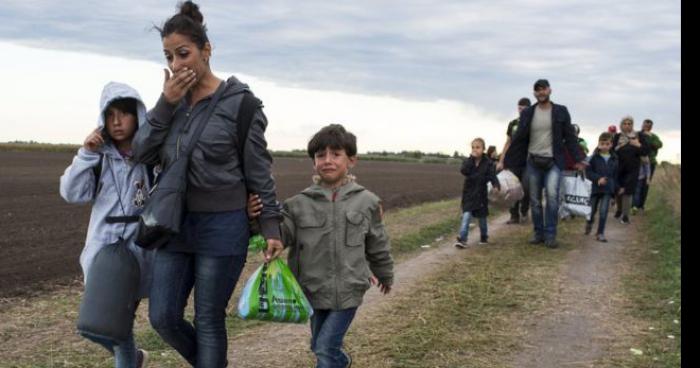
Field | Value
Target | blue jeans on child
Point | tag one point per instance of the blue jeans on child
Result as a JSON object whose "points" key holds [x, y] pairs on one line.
{"points": [[124, 353], [602, 201], [464, 228], [545, 224], [328, 328]]}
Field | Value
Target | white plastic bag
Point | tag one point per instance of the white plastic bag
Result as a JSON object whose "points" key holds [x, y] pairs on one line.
{"points": [[511, 189], [575, 197]]}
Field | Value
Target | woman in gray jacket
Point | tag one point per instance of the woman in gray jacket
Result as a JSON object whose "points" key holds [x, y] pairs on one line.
{"points": [[209, 252]]}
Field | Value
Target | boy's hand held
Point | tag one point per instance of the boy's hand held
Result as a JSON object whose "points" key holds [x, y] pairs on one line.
{"points": [[254, 206]]}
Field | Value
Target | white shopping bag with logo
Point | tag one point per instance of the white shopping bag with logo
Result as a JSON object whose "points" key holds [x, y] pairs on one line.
{"points": [[575, 196], [511, 189]]}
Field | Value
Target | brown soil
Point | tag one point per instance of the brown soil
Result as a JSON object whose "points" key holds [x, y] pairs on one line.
{"points": [[42, 236]]}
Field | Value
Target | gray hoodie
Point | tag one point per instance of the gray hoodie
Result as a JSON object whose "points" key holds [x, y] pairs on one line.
{"points": [[216, 181], [78, 186]]}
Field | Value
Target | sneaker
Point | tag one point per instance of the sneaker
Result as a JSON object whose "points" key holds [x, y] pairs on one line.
{"points": [[484, 241], [625, 220], [536, 240], [601, 238], [551, 243], [589, 227], [460, 244], [513, 220], [141, 358], [618, 214]]}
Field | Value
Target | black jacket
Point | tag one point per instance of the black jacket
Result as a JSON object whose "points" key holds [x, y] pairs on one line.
{"points": [[215, 181], [474, 190], [629, 161], [598, 168], [562, 135]]}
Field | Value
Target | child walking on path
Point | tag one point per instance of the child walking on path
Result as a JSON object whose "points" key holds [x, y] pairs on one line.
{"points": [[602, 171], [338, 246], [478, 170], [103, 173]]}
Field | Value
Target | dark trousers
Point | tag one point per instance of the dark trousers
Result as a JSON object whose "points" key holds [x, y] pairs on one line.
{"points": [[520, 208], [602, 202]]}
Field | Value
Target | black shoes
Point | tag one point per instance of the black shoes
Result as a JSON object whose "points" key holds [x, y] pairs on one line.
{"points": [[551, 243]]}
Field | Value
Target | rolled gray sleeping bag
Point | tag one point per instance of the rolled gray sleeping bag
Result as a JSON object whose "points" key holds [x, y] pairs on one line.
{"points": [[111, 290]]}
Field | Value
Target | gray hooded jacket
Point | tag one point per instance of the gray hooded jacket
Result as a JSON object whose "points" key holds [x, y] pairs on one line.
{"points": [[131, 185], [216, 181]]}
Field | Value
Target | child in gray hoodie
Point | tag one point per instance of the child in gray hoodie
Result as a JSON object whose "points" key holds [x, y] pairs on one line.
{"points": [[102, 173]]}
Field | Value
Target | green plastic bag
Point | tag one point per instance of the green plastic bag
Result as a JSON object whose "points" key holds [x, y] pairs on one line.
{"points": [[273, 294], [257, 243]]}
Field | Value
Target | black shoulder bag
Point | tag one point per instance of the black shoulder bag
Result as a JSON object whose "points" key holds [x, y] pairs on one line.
{"points": [[162, 215]]}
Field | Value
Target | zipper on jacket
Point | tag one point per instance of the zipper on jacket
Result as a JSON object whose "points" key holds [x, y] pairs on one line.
{"points": [[185, 129], [335, 253]]}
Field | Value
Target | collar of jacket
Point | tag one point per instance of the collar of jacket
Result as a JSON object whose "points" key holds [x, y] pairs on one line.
{"points": [[317, 191]]}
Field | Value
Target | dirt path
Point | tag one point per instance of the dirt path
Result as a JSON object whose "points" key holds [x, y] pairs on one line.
{"points": [[286, 345], [579, 324]]}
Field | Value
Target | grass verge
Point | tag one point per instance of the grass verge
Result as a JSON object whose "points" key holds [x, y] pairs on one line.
{"points": [[467, 314], [653, 288]]}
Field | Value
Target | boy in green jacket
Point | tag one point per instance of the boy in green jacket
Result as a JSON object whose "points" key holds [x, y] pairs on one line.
{"points": [[338, 246]]}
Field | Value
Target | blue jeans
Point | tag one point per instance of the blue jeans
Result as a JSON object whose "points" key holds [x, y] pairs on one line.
{"points": [[124, 353], [213, 279], [545, 224], [602, 201], [464, 228], [328, 328]]}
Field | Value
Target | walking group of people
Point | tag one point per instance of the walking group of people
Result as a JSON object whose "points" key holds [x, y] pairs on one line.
{"points": [[334, 229], [542, 144], [338, 246]]}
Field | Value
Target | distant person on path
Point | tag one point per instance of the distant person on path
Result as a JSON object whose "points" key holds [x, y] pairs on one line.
{"points": [[492, 154], [209, 253], [602, 171], [478, 170], [654, 145], [570, 163], [518, 212], [643, 181], [338, 246], [104, 173], [543, 134], [629, 146]]}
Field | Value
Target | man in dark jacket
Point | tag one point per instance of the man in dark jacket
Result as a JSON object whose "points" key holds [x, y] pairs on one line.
{"points": [[519, 210], [543, 134]]}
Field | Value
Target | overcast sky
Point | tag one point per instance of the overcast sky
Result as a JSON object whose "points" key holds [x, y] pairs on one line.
{"points": [[426, 75]]}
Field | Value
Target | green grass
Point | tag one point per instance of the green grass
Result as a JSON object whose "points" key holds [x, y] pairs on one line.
{"points": [[654, 288], [465, 315]]}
